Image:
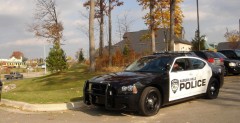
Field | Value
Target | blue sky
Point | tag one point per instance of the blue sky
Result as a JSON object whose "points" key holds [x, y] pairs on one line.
{"points": [[15, 15]]}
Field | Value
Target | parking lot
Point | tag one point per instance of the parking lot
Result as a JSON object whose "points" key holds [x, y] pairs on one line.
{"points": [[224, 109]]}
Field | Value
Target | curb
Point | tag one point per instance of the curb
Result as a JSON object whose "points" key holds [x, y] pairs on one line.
{"points": [[42, 107]]}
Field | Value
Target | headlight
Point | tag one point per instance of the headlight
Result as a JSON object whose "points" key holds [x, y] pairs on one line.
{"points": [[129, 88], [231, 64]]}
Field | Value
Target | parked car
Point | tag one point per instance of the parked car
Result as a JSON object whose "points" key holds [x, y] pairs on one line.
{"points": [[152, 82], [231, 53], [231, 66], [14, 75], [212, 57]]}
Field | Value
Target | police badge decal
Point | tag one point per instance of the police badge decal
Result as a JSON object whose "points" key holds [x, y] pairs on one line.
{"points": [[174, 85]]}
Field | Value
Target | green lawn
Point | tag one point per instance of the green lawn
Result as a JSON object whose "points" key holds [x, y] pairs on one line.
{"points": [[55, 88]]}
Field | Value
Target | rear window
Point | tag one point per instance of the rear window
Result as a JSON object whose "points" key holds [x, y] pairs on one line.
{"points": [[212, 55]]}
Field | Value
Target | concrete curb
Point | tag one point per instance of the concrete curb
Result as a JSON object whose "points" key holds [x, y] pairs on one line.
{"points": [[42, 107]]}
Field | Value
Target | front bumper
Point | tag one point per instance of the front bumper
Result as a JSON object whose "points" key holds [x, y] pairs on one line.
{"points": [[106, 95], [234, 70]]}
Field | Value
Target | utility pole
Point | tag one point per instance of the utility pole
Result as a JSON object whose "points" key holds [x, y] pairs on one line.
{"points": [[172, 18], [44, 58], [198, 30]]}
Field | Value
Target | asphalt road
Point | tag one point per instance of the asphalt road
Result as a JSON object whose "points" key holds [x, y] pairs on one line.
{"points": [[224, 109]]}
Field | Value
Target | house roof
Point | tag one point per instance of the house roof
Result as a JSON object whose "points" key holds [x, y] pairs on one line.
{"points": [[228, 45]]}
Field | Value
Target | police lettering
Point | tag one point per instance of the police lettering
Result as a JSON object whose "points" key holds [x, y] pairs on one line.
{"points": [[192, 84]]}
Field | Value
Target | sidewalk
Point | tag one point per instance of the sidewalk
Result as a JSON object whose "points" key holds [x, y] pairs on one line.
{"points": [[41, 107]]}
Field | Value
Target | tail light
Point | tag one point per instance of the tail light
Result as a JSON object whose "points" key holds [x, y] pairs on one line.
{"points": [[221, 59], [211, 60]]}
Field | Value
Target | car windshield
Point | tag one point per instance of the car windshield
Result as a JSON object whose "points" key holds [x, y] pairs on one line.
{"points": [[149, 64], [237, 52]]}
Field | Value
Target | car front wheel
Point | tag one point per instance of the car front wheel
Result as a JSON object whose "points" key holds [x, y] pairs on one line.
{"points": [[213, 89], [150, 101]]}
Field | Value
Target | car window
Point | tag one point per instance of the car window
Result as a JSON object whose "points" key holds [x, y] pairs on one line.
{"points": [[181, 64], [221, 55], [150, 65], [212, 55], [237, 53], [200, 54], [197, 64], [229, 54]]}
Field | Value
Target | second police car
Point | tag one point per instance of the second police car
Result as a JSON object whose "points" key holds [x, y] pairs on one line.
{"points": [[154, 81]]}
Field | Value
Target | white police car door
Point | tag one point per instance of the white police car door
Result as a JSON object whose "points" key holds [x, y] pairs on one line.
{"points": [[191, 80]]}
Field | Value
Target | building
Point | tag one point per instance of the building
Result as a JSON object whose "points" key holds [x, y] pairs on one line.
{"points": [[141, 43], [228, 45], [12, 62]]}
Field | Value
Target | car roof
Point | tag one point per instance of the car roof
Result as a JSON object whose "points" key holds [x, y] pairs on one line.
{"points": [[174, 53]]}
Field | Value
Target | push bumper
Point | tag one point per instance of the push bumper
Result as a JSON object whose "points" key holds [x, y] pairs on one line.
{"points": [[109, 99]]}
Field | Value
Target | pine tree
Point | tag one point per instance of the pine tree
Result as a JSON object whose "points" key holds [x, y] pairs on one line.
{"points": [[56, 60], [195, 43], [81, 58]]}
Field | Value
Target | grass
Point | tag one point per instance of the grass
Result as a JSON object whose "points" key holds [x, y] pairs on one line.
{"points": [[55, 88]]}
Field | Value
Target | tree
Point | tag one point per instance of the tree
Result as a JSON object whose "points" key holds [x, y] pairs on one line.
{"points": [[160, 17], [234, 38], [126, 50], [111, 5], [80, 56], [91, 36], [124, 24], [100, 9], [47, 24], [195, 43], [56, 60]]}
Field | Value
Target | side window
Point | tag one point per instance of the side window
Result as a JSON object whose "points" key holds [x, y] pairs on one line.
{"points": [[181, 65], [229, 54], [197, 64]]}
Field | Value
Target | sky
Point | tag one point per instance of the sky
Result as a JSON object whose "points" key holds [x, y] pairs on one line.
{"points": [[15, 15]]}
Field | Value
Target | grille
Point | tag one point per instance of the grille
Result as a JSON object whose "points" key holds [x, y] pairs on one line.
{"points": [[97, 88]]}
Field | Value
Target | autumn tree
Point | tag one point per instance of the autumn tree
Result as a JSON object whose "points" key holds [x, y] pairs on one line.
{"points": [[47, 25], [159, 16], [234, 38]]}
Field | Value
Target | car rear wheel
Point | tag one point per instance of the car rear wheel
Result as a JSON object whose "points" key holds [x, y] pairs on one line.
{"points": [[150, 101], [213, 89]]}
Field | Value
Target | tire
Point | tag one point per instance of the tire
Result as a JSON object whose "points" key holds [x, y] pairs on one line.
{"points": [[150, 101], [212, 89]]}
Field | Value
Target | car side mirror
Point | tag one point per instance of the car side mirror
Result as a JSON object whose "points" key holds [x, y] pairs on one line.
{"points": [[168, 66]]}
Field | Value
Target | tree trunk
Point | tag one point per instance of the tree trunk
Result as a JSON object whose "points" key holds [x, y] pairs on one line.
{"points": [[91, 36], [152, 25], [101, 42], [172, 18], [110, 34]]}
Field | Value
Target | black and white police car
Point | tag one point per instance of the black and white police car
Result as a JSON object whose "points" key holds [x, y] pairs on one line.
{"points": [[153, 81]]}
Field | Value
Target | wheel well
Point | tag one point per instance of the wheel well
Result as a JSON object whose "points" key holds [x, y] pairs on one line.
{"points": [[160, 90], [218, 80]]}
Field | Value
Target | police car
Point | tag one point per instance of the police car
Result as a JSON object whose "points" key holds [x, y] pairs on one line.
{"points": [[153, 81]]}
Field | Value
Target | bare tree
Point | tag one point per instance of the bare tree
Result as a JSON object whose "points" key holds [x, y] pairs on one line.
{"points": [[46, 23], [124, 24], [91, 36]]}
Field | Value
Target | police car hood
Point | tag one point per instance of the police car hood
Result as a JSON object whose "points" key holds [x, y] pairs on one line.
{"points": [[123, 77]]}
